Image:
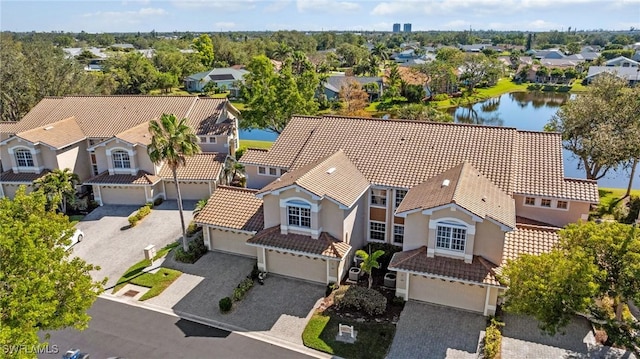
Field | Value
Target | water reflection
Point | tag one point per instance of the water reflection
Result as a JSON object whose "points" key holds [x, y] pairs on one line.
{"points": [[539, 99]]}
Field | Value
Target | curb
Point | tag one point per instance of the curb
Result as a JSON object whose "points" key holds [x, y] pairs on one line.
{"points": [[216, 324]]}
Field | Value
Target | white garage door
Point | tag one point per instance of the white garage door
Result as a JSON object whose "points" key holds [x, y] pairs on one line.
{"points": [[292, 265], [189, 191], [458, 295], [231, 242], [123, 195]]}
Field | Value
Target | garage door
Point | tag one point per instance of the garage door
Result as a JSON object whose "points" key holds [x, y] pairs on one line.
{"points": [[190, 191], [292, 265], [231, 242], [123, 195], [458, 295]]}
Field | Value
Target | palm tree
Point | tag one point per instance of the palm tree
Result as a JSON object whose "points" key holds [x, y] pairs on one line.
{"points": [[200, 206], [380, 51], [369, 262], [59, 186], [172, 141]]}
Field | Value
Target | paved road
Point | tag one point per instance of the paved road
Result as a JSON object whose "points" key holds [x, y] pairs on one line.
{"points": [[119, 329]]}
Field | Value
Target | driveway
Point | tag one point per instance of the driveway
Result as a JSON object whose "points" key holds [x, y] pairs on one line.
{"points": [[279, 308], [115, 250], [432, 331]]}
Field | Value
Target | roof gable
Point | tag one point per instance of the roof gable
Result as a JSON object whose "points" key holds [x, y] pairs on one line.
{"points": [[234, 208], [56, 135]]}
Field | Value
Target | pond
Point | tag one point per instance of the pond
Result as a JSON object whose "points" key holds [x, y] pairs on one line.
{"points": [[522, 110]]}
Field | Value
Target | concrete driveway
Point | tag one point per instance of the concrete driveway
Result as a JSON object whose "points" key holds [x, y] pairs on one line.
{"points": [[115, 250], [432, 331]]}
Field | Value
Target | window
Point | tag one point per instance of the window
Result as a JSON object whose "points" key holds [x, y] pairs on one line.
{"points": [[545, 203], [121, 159], [262, 170], [203, 139], [398, 233], [212, 140], [451, 236], [400, 193], [299, 214], [530, 201], [562, 204], [377, 231], [273, 171], [24, 158], [282, 171], [379, 197]]}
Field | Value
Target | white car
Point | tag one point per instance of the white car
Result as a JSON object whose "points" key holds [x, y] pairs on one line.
{"points": [[77, 237]]}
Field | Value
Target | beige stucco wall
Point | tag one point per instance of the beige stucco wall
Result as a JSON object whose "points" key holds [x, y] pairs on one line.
{"points": [[4, 157], [255, 180], [297, 266], [416, 227], [354, 224], [76, 158], [143, 160], [47, 157], [489, 241], [557, 217], [332, 219], [220, 145], [232, 242], [123, 195], [271, 211], [10, 189], [101, 159], [453, 294]]}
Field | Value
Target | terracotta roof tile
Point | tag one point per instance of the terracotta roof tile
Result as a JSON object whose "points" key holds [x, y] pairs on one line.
{"points": [[203, 166], [9, 176], [529, 239], [325, 246], [136, 135], [467, 188], [57, 135], [254, 156], [334, 177], [204, 115], [233, 207], [141, 178], [479, 270]]}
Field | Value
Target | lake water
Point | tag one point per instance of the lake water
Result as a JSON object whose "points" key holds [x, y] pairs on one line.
{"points": [[522, 110]]}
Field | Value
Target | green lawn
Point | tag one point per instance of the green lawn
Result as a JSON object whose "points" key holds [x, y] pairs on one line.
{"points": [[239, 105], [609, 197], [174, 92], [75, 218], [134, 275], [255, 144], [373, 340]]}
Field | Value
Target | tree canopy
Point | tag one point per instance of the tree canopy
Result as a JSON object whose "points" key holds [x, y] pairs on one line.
{"points": [[41, 287], [204, 46]]}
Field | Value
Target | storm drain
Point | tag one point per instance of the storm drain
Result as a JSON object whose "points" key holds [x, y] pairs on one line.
{"points": [[131, 293]]}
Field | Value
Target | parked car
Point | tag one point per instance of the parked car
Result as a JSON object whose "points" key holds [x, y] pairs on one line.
{"points": [[75, 354], [77, 237]]}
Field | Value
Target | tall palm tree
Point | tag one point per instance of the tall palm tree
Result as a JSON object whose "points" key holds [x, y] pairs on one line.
{"points": [[59, 186], [381, 51], [172, 142], [369, 261]]}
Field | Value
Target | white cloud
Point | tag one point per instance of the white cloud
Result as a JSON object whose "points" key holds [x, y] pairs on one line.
{"points": [[540, 25], [331, 6], [224, 25], [222, 5], [457, 25], [136, 2], [129, 17], [277, 5]]}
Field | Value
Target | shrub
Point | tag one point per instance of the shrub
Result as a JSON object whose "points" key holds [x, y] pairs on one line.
{"points": [[330, 288], [225, 304], [254, 272], [241, 290], [240, 151], [368, 301], [149, 204], [158, 201], [397, 301], [133, 220], [196, 250], [389, 251], [143, 211], [192, 228], [492, 339]]}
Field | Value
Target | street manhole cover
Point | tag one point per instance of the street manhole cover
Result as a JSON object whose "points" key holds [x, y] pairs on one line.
{"points": [[131, 293]]}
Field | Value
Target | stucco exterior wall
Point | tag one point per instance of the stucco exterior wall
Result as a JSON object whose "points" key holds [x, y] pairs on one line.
{"points": [[189, 190], [47, 157], [332, 219], [554, 216], [271, 205], [221, 144], [9, 189], [231, 242], [101, 159], [76, 158], [416, 227], [143, 160], [255, 180], [489, 241], [354, 224]]}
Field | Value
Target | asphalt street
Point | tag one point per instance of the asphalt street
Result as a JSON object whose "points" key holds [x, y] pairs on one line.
{"points": [[121, 330]]}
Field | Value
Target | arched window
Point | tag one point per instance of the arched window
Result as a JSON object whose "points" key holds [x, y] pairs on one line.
{"points": [[298, 214], [121, 159], [451, 236], [24, 158]]}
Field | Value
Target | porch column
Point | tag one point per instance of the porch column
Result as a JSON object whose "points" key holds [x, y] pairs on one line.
{"points": [[262, 255], [207, 237], [489, 309]]}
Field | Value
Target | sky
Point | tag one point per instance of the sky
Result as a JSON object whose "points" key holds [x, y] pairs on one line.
{"points": [[316, 15]]}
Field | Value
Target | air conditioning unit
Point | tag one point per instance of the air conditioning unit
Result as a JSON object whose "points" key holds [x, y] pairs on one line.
{"points": [[354, 274], [390, 280]]}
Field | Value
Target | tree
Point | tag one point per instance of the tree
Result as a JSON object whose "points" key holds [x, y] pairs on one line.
{"points": [[601, 127], [419, 112], [59, 186], [133, 73], [594, 269], [272, 98], [172, 141], [474, 70], [42, 287], [354, 99], [167, 81], [369, 262], [204, 46], [450, 55], [380, 51], [351, 54]]}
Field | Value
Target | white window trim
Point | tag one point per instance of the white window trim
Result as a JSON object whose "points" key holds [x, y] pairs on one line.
{"points": [[471, 231], [285, 227], [554, 203], [393, 238], [14, 161], [369, 232], [395, 194], [267, 171], [203, 139], [133, 169], [524, 201], [26, 160], [275, 170], [451, 225], [121, 153], [546, 199], [264, 172], [213, 139], [386, 196], [289, 204]]}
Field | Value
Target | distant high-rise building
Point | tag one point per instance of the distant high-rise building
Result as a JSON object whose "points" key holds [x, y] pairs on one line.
{"points": [[396, 27], [407, 28]]}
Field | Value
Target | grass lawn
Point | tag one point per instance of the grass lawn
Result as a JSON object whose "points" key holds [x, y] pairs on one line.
{"points": [[609, 197], [75, 218], [373, 340], [256, 144], [239, 105], [174, 92], [134, 275]]}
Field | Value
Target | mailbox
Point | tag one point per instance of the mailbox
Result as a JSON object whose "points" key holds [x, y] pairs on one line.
{"points": [[150, 252]]}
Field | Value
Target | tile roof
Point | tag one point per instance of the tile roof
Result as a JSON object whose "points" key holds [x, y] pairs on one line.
{"points": [[334, 177], [57, 135], [335, 82], [325, 246], [203, 166], [9, 176], [233, 207], [479, 270], [136, 135], [141, 178], [467, 188], [529, 239], [106, 116], [204, 115], [254, 155]]}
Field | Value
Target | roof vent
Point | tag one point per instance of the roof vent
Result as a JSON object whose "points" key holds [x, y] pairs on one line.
{"points": [[445, 183], [48, 128], [484, 198], [331, 170]]}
